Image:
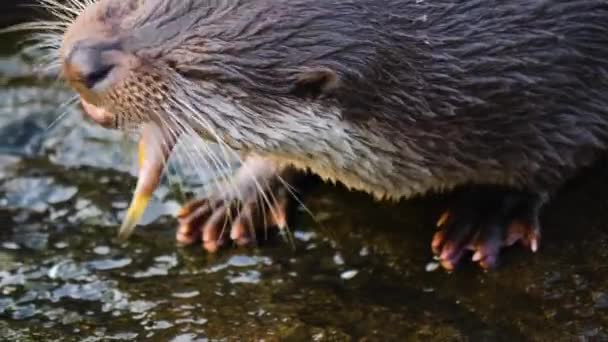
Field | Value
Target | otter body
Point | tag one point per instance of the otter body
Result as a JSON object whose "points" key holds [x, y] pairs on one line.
{"points": [[505, 100]]}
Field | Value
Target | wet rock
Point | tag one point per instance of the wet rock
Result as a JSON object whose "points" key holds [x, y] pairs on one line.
{"points": [[10, 245], [102, 250], [23, 312], [239, 261], [7, 165], [24, 137], [161, 267], [348, 275], [86, 212], [160, 325], [109, 264], [189, 294], [76, 143], [247, 277], [188, 338], [141, 306], [156, 210], [33, 240], [601, 300], [35, 194], [93, 291]]}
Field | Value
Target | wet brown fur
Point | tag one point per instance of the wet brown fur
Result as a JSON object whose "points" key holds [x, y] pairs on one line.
{"points": [[391, 97]]}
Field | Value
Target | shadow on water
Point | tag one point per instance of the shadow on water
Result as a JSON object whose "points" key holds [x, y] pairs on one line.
{"points": [[357, 273]]}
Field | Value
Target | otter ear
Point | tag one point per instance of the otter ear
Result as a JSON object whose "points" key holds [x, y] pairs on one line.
{"points": [[316, 83]]}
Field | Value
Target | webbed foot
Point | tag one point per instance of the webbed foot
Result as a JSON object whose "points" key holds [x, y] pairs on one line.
{"points": [[484, 220], [257, 199]]}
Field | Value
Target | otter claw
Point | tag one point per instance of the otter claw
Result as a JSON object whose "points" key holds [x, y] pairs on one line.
{"points": [[443, 219], [484, 222], [214, 226], [237, 218]]}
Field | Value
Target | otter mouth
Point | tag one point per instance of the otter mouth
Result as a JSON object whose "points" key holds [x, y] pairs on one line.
{"points": [[99, 115]]}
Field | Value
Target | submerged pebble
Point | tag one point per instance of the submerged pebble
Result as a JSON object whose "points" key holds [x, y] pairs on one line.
{"points": [[432, 266], [68, 270], [109, 264], [35, 193], [348, 275], [10, 245]]}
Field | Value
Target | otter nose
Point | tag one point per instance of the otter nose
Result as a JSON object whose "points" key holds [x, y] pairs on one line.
{"points": [[90, 63]]}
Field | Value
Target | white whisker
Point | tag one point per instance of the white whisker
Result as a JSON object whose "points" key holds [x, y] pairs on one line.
{"points": [[67, 105], [189, 134], [221, 165], [262, 192]]}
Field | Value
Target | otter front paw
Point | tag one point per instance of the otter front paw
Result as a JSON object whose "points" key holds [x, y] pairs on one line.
{"points": [[256, 199], [484, 220]]}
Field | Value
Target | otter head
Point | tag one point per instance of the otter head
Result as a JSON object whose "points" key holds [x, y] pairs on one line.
{"points": [[238, 71], [118, 88]]}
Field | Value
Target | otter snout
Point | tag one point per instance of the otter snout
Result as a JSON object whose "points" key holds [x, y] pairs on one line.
{"points": [[92, 68], [91, 64], [95, 68]]}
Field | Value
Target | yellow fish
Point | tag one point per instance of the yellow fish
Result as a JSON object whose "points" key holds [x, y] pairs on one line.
{"points": [[154, 149]]}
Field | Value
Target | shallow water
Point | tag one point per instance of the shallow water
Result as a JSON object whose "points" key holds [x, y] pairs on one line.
{"points": [[358, 273]]}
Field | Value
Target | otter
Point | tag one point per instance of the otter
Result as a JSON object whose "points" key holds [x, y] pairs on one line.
{"points": [[499, 102]]}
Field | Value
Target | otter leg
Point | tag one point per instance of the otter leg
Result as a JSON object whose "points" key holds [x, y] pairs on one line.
{"points": [[256, 198], [484, 220]]}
